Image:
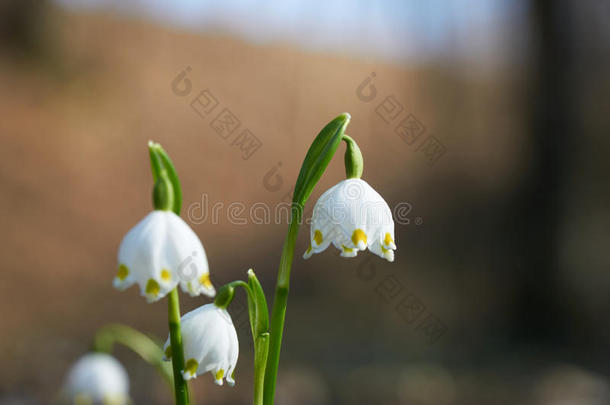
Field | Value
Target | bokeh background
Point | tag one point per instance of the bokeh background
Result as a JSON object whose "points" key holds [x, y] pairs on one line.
{"points": [[483, 123]]}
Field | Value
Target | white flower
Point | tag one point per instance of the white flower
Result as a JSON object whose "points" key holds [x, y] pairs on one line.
{"points": [[210, 344], [96, 378], [352, 216], [160, 252]]}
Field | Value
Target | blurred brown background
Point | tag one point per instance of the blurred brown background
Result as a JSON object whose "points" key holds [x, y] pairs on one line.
{"points": [[499, 292]]}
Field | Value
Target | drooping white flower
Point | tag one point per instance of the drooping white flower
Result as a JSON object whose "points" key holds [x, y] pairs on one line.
{"points": [[159, 253], [352, 216], [96, 378], [210, 344]]}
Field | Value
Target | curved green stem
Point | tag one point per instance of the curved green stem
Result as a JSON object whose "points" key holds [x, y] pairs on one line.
{"points": [[181, 392], [316, 161], [144, 346], [280, 302]]}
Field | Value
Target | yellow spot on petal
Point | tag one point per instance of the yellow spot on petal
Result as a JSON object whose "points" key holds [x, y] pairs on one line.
{"points": [[168, 351], [152, 288], [166, 275], [347, 249], [358, 236], [205, 281], [191, 288], [191, 366], [123, 272], [220, 374], [308, 249], [388, 239], [233, 375], [317, 236], [384, 250]]}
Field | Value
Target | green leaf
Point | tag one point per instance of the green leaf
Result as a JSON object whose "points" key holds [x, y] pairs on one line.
{"points": [[147, 347], [259, 312], [252, 312], [318, 157], [155, 161]]}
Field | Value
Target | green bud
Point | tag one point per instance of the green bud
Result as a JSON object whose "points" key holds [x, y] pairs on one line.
{"points": [[224, 296], [161, 162], [354, 163], [163, 193]]}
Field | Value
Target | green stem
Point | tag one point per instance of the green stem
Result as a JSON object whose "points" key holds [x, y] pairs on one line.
{"points": [[180, 388], [261, 350], [278, 312], [144, 346], [224, 297], [315, 163], [167, 194]]}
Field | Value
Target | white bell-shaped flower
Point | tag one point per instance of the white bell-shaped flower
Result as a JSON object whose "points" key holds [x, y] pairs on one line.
{"points": [[159, 253], [210, 344], [352, 216], [96, 378]]}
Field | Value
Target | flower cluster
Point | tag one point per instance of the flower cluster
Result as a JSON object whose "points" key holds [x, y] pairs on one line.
{"points": [[162, 252]]}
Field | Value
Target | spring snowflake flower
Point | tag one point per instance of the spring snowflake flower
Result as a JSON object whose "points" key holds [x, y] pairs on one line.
{"points": [[210, 344], [96, 378], [159, 253], [353, 216]]}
